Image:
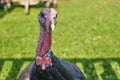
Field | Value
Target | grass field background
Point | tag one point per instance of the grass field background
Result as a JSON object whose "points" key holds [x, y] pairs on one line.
{"points": [[87, 34]]}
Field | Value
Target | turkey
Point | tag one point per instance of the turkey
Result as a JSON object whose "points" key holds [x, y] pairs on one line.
{"points": [[47, 66]]}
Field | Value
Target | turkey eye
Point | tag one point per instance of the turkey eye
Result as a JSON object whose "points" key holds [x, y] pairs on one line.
{"points": [[42, 14]]}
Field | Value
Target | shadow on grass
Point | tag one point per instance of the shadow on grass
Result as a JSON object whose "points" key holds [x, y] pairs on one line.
{"points": [[88, 67]]}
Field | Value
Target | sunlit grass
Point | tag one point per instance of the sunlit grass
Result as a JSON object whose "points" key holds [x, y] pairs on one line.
{"points": [[86, 30]]}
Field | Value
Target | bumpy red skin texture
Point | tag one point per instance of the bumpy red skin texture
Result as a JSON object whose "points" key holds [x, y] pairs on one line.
{"points": [[44, 43]]}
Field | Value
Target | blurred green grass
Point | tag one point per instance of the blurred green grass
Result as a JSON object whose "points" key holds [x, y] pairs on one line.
{"points": [[87, 34]]}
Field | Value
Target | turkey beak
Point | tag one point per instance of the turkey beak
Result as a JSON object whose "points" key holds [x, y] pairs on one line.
{"points": [[52, 24]]}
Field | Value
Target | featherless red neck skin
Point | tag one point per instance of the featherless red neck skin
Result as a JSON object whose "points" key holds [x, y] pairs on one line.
{"points": [[47, 19]]}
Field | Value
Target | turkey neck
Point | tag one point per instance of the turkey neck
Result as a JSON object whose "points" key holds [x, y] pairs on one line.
{"points": [[44, 42]]}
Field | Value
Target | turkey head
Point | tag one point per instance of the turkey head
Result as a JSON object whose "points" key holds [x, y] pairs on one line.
{"points": [[48, 18]]}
